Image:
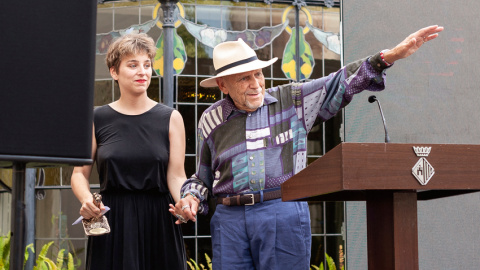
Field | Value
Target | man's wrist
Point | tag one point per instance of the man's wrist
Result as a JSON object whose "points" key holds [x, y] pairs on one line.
{"points": [[390, 56], [378, 61], [189, 193], [384, 54]]}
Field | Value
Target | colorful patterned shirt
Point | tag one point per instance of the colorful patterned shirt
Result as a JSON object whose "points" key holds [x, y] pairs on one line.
{"points": [[240, 152]]}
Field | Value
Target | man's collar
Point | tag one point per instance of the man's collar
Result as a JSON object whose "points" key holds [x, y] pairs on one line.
{"points": [[228, 106], [269, 99]]}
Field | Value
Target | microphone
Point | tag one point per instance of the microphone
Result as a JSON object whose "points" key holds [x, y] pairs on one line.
{"points": [[372, 99]]}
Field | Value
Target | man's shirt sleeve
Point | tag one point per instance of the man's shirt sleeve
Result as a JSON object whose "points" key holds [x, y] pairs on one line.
{"points": [[199, 183], [324, 97]]}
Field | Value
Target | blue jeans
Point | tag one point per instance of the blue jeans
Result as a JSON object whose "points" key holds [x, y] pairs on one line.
{"points": [[268, 235]]}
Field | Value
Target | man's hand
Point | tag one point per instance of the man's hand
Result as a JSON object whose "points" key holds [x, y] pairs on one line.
{"points": [[185, 209], [412, 43]]}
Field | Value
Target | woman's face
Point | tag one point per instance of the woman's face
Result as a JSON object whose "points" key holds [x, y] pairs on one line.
{"points": [[134, 74]]}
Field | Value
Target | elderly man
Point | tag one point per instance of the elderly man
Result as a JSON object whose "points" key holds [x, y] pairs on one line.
{"points": [[255, 139]]}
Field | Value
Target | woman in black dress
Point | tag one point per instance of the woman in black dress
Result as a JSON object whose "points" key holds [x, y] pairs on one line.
{"points": [[139, 147]]}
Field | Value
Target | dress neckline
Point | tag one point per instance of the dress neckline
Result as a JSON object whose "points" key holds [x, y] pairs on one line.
{"points": [[133, 115]]}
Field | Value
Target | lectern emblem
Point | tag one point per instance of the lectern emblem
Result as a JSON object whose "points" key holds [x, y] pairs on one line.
{"points": [[422, 170]]}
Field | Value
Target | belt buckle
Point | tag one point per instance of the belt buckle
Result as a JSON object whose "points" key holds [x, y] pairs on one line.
{"points": [[251, 197]]}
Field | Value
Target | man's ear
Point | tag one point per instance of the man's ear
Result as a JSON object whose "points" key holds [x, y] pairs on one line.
{"points": [[113, 73], [221, 84]]}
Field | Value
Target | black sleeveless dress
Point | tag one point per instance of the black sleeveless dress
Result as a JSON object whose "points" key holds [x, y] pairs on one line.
{"points": [[132, 159]]}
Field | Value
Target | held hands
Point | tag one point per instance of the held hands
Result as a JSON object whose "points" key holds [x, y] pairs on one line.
{"points": [[185, 209], [412, 43]]}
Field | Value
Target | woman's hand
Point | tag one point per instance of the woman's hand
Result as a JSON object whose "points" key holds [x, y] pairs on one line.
{"points": [[89, 210]]}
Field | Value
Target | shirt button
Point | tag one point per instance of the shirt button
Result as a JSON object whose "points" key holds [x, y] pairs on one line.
{"points": [[251, 157], [249, 114]]}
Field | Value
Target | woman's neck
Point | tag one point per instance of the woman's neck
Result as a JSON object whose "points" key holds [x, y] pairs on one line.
{"points": [[133, 105]]}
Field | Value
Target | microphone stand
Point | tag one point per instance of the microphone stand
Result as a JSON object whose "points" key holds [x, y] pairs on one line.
{"points": [[372, 99]]}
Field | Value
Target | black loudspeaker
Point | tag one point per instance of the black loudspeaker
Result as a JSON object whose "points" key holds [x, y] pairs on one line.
{"points": [[47, 79]]}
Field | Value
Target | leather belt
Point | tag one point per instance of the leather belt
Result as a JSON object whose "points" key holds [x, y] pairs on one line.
{"points": [[249, 199]]}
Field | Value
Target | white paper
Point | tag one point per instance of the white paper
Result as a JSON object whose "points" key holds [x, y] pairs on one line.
{"points": [[80, 218]]}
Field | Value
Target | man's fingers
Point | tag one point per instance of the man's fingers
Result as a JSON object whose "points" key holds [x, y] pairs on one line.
{"points": [[189, 208], [179, 217], [431, 37], [182, 211], [187, 213], [185, 210], [194, 207], [430, 32]]}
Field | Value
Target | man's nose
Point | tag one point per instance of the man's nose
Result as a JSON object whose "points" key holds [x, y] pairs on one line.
{"points": [[255, 83]]}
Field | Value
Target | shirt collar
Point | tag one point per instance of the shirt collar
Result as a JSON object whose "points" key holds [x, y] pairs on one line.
{"points": [[269, 99], [228, 106]]}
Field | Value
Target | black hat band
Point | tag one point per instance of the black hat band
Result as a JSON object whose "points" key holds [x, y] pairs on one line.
{"points": [[234, 64]]}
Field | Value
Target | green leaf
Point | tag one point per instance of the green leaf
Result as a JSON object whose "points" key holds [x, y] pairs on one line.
{"points": [[42, 262], [27, 254], [70, 262], [193, 265], [42, 258], [51, 265], [330, 262], [5, 252], [60, 256], [209, 261]]}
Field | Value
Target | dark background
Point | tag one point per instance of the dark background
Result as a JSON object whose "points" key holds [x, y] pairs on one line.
{"points": [[47, 72]]}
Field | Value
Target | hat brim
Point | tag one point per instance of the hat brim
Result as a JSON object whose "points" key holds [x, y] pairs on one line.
{"points": [[257, 64]]}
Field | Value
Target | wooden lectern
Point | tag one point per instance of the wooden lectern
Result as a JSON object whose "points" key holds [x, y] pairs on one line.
{"points": [[383, 175]]}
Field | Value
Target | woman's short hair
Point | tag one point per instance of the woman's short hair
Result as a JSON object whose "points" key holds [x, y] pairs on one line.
{"points": [[127, 45]]}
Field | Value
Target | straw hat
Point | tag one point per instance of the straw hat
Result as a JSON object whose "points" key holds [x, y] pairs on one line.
{"points": [[232, 57]]}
